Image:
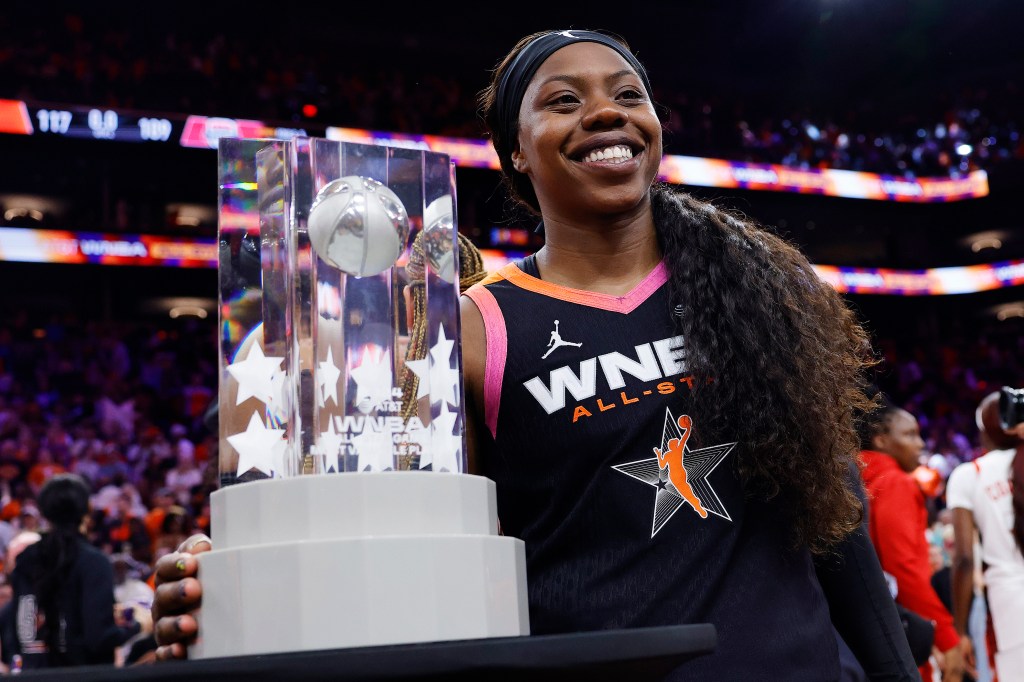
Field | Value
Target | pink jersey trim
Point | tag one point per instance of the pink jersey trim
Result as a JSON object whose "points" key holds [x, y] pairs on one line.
{"points": [[497, 350], [621, 304]]}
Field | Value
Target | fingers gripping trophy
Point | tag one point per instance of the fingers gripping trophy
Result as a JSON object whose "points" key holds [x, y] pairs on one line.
{"points": [[339, 522]]}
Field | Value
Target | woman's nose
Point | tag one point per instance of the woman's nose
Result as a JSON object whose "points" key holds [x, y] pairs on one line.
{"points": [[604, 114]]}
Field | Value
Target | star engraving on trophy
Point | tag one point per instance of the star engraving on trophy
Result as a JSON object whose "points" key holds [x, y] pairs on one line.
{"points": [[444, 445], [329, 445], [421, 368], [436, 374], [373, 379], [258, 447], [256, 375], [373, 448], [327, 377], [417, 439]]}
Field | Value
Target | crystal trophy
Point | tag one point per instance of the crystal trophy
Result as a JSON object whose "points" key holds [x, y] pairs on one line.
{"points": [[345, 516]]}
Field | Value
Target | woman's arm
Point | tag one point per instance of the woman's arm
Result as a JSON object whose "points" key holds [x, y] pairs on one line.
{"points": [[474, 364], [963, 575], [863, 610]]}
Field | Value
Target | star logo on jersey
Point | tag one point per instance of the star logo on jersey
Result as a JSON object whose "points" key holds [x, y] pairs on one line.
{"points": [[678, 474]]}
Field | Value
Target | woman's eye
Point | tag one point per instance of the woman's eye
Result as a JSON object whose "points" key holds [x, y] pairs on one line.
{"points": [[565, 99], [631, 94]]}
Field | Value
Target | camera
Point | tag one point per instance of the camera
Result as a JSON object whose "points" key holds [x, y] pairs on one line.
{"points": [[1011, 407]]}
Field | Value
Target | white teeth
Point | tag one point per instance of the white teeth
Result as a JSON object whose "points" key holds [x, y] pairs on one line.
{"points": [[617, 154]]}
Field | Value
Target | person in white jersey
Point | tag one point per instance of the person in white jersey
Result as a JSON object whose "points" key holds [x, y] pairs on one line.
{"points": [[987, 498]]}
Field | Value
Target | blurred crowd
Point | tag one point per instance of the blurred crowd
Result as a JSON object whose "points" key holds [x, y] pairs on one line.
{"points": [[204, 69], [125, 406], [973, 133], [942, 381], [73, 59]]}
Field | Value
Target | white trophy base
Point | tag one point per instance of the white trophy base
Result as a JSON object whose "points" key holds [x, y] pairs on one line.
{"points": [[358, 559]]}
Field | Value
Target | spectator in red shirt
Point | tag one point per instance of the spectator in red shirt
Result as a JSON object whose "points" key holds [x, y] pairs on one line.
{"points": [[898, 522]]}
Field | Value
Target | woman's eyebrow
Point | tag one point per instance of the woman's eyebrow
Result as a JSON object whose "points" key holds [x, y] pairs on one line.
{"points": [[578, 81]]}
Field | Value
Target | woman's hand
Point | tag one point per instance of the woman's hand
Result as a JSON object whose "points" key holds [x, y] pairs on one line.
{"points": [[952, 664], [178, 595]]}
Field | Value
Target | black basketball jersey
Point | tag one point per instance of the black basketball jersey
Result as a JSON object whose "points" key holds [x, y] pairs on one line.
{"points": [[629, 517]]}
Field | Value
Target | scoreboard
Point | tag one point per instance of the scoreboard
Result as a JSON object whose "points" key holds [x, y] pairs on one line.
{"points": [[101, 124], [119, 125]]}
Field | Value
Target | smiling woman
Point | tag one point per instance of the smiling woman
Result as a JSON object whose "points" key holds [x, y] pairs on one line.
{"points": [[537, 94], [703, 475], [729, 378]]}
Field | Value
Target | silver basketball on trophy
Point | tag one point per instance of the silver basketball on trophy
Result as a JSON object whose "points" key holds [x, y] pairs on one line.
{"points": [[358, 225], [437, 240]]}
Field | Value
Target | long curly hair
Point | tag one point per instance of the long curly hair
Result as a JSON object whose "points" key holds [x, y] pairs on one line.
{"points": [[64, 502], [778, 356]]}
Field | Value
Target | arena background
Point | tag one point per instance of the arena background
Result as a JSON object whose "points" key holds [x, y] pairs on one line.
{"points": [[907, 90]]}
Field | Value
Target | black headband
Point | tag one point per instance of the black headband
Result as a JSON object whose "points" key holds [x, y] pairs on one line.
{"points": [[516, 78]]}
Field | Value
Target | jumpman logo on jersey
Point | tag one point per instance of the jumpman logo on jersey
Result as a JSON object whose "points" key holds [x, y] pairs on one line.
{"points": [[556, 342], [672, 460], [676, 485]]}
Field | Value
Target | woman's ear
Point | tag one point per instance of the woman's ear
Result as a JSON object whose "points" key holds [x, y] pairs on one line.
{"points": [[519, 161], [407, 295]]}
